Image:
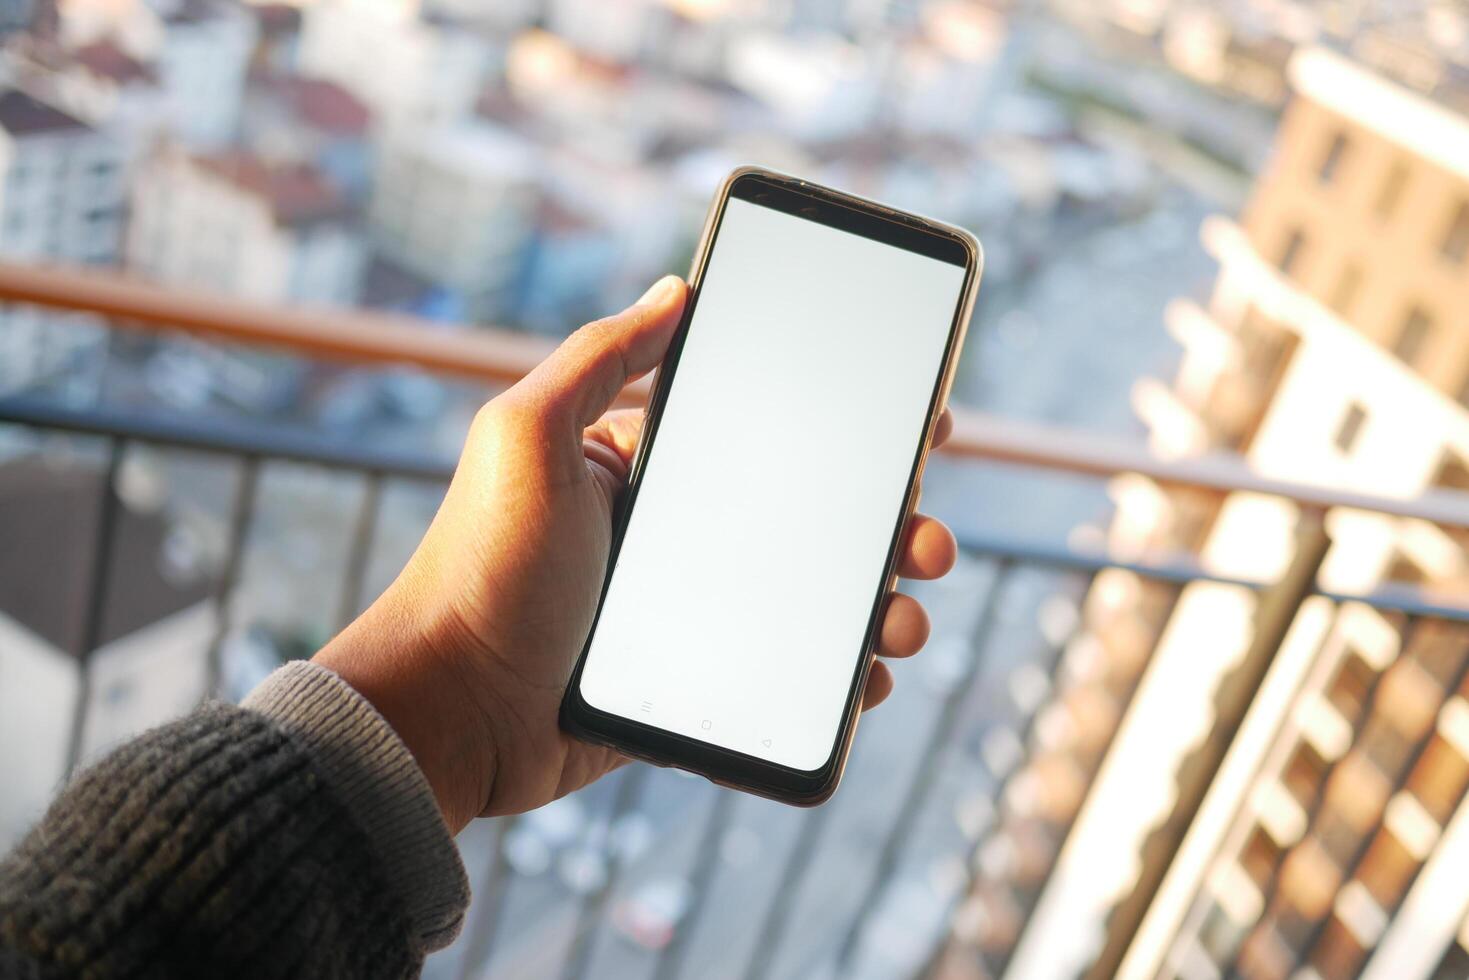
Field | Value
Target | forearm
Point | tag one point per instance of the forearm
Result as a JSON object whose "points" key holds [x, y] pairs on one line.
{"points": [[294, 836]]}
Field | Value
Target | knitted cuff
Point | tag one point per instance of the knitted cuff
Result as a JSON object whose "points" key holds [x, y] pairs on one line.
{"points": [[372, 772]]}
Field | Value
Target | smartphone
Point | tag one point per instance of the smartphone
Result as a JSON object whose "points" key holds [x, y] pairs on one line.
{"points": [[780, 459]]}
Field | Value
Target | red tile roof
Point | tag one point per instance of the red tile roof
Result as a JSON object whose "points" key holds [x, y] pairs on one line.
{"points": [[48, 533], [298, 194], [323, 104], [24, 115], [107, 60]]}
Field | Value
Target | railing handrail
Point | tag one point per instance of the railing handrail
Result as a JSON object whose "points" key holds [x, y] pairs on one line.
{"points": [[499, 356], [253, 440], [1007, 440], [487, 354], [228, 437]]}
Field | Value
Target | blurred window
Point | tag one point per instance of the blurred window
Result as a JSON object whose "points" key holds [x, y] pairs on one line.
{"points": [[1404, 570], [1265, 954], [1453, 472], [1439, 779], [1350, 687], [1415, 330], [1344, 295], [1260, 857], [1455, 244], [1261, 340], [1294, 927], [1331, 162], [1387, 870], [1340, 837], [1303, 774], [1440, 646], [1350, 427], [1391, 191], [1295, 241], [1387, 746], [1339, 953], [1220, 935]]}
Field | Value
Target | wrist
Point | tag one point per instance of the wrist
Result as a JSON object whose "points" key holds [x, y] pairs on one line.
{"points": [[373, 777], [400, 657]]}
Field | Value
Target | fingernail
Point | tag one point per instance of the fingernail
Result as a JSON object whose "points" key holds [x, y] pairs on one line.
{"points": [[658, 292]]}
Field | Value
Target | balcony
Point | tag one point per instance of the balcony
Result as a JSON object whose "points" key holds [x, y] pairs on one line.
{"points": [[180, 555]]}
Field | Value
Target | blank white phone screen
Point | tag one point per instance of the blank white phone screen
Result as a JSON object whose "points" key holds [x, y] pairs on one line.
{"points": [[755, 550]]}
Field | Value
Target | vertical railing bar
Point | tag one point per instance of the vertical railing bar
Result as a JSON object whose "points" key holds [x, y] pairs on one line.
{"points": [[671, 958], [777, 915], [96, 600], [589, 915], [1027, 732], [927, 771], [359, 548], [490, 903], [242, 514], [1399, 781]]}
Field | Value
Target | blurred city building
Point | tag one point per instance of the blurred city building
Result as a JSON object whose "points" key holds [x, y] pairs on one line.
{"points": [[455, 204], [238, 225], [63, 184], [297, 119], [148, 637], [1333, 349], [409, 70], [201, 60], [61, 200], [114, 91]]}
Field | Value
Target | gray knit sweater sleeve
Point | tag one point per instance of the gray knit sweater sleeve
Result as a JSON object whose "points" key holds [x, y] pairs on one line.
{"points": [[290, 837]]}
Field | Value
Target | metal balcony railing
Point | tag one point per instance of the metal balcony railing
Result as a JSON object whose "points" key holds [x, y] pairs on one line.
{"points": [[828, 887]]}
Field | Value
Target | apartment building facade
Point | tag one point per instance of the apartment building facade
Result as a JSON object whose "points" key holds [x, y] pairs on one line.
{"points": [[61, 197], [406, 69], [201, 62], [456, 204], [1334, 349], [1352, 271], [237, 225]]}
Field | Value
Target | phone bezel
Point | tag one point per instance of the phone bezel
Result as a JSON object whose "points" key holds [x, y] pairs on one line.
{"points": [[855, 215]]}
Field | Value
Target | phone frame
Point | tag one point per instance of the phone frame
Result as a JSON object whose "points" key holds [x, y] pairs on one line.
{"points": [[856, 215]]}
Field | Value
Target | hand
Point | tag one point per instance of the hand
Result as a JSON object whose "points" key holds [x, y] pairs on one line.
{"points": [[468, 653]]}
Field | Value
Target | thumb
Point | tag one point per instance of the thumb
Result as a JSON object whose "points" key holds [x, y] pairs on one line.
{"points": [[583, 376]]}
